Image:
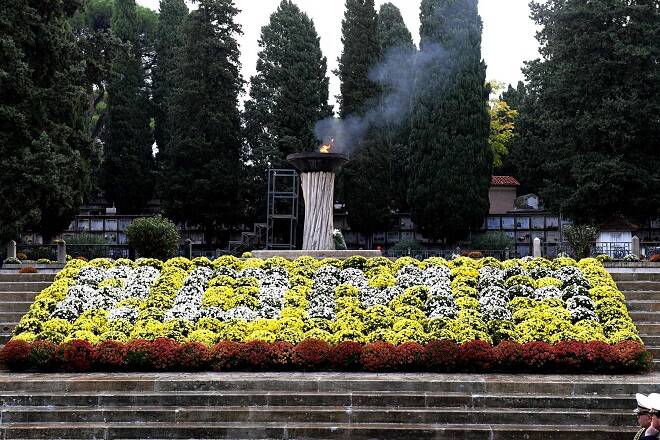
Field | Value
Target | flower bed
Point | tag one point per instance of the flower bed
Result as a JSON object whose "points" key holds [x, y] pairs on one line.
{"points": [[380, 314]]}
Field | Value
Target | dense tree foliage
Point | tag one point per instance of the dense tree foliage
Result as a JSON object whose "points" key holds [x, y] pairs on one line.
{"points": [[127, 170], [201, 171], [589, 126], [168, 39], [288, 95], [398, 51], [449, 184], [365, 180], [44, 145], [502, 126]]}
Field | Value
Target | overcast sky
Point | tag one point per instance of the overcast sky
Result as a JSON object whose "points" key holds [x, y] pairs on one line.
{"points": [[508, 37]]}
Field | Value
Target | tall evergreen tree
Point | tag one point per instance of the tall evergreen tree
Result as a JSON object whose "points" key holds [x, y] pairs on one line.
{"points": [[288, 95], [514, 96], [398, 50], [201, 170], [589, 131], [168, 38], [452, 159], [127, 174], [44, 145], [361, 53], [364, 181]]}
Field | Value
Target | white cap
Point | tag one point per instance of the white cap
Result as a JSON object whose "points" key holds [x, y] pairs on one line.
{"points": [[643, 403], [654, 401]]}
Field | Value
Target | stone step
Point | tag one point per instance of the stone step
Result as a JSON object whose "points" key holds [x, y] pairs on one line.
{"points": [[392, 399], [15, 306], [18, 296], [639, 285], [312, 414], [643, 306], [23, 277], [650, 339], [23, 286], [648, 328], [4, 338], [641, 274], [645, 316], [286, 430], [646, 295], [330, 382], [11, 316], [655, 350]]}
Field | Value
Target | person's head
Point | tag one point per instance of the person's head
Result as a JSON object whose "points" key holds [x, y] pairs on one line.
{"points": [[644, 418]]}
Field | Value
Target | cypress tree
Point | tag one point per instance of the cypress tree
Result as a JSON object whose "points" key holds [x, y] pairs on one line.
{"points": [[168, 38], [288, 95], [449, 182], [398, 50], [588, 137], [201, 170], [44, 145], [361, 53], [365, 180], [127, 170]]}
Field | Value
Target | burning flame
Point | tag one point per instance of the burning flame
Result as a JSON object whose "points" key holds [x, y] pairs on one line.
{"points": [[325, 149]]}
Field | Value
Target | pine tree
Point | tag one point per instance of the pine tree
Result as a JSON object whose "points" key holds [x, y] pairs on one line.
{"points": [[398, 50], [168, 38], [44, 146], [452, 160], [201, 170], [127, 173], [588, 140]]}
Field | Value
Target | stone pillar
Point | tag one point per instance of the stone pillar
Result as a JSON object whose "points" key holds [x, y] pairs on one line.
{"points": [[11, 249], [635, 247], [188, 248], [537, 247], [61, 252]]}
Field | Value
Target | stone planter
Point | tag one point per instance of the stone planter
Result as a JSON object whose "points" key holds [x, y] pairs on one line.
{"points": [[631, 264]]}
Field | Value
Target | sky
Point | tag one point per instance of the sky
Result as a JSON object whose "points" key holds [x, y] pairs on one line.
{"points": [[508, 36]]}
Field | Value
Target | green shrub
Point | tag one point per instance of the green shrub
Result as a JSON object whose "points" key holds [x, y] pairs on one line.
{"points": [[493, 241], [338, 237], [581, 237], [408, 247], [153, 237]]}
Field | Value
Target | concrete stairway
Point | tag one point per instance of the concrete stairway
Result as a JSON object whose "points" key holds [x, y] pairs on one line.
{"points": [[17, 292], [319, 406], [641, 288]]}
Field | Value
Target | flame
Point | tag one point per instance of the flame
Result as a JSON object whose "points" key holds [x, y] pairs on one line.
{"points": [[325, 149]]}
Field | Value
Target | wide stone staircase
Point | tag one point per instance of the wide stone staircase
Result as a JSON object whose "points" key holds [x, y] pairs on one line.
{"points": [[17, 292], [641, 287], [319, 406]]}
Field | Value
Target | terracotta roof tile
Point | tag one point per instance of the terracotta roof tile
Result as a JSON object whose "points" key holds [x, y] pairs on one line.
{"points": [[504, 181]]}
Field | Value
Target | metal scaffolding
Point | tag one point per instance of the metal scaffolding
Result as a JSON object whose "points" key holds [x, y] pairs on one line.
{"points": [[282, 217]]}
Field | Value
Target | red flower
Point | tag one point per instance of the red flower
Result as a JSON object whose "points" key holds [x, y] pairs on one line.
{"points": [[282, 352], [442, 356], [600, 357], [192, 356], [477, 356], [570, 355], [509, 356], [111, 355], [311, 354], [256, 356], [632, 356], [43, 355], [225, 356], [379, 356], [138, 355], [411, 356], [539, 356], [15, 355], [163, 353], [345, 356], [76, 355]]}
